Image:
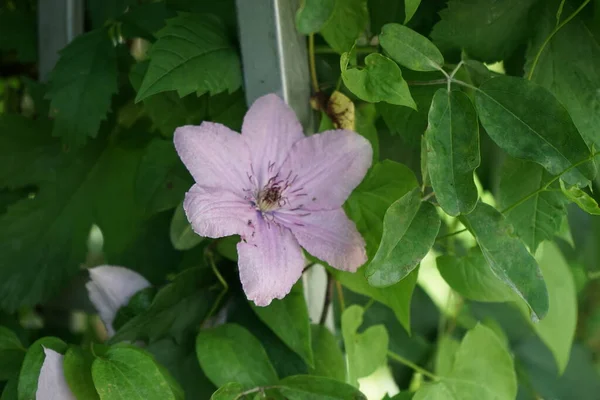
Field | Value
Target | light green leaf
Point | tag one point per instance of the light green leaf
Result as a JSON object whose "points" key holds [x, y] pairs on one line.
{"points": [[329, 360], [366, 351], [288, 319], [12, 354], [557, 329], [380, 80], [529, 123], [508, 257], [581, 198], [539, 218], [445, 355], [77, 366], [32, 365], [410, 227], [181, 232], [410, 8], [81, 87], [313, 14], [229, 353], [127, 373], [409, 48], [474, 377], [485, 31], [452, 138], [230, 391], [307, 387], [192, 54]]}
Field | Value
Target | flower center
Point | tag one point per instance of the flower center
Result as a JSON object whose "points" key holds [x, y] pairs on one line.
{"points": [[270, 198]]}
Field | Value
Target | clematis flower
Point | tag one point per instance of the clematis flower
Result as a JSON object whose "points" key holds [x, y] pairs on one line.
{"points": [[52, 384], [278, 190], [110, 288]]}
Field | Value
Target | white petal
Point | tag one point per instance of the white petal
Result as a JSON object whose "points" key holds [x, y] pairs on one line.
{"points": [[52, 384]]}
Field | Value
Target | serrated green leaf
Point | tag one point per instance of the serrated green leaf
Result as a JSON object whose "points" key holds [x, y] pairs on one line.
{"points": [[12, 354], [307, 387], [380, 80], [229, 353], [366, 351], [410, 8], [329, 360], [474, 377], [581, 198], [409, 48], [540, 217], [18, 31], [77, 366], [81, 87], [452, 138], [410, 227], [192, 54], [32, 365], [485, 31], [508, 257], [132, 374], [288, 319], [181, 232], [527, 121]]}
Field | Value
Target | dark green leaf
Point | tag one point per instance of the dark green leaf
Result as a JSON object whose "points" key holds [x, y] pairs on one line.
{"points": [[192, 54], [366, 351], [129, 373], [18, 32], [307, 387], [12, 353], [486, 31], [475, 377], [77, 366], [102, 11], [581, 198], [32, 364], [410, 49], [452, 138], [410, 8], [288, 319], [181, 232], [380, 80], [508, 257], [540, 217], [144, 20], [229, 353], [529, 123], [81, 87], [410, 227], [329, 360]]}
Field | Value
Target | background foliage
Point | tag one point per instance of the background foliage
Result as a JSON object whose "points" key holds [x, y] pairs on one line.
{"points": [[478, 211]]}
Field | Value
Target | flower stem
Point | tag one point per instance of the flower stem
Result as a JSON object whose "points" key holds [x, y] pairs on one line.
{"points": [[558, 27], [338, 286], [312, 65], [398, 358]]}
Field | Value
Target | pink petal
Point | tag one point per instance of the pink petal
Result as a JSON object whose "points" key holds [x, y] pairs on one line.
{"points": [[330, 236], [270, 129], [217, 213], [52, 384], [328, 167], [215, 155], [111, 288], [270, 263]]}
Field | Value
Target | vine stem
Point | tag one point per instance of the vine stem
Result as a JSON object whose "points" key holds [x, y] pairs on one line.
{"points": [[358, 50], [254, 390], [451, 234], [398, 358], [426, 83], [556, 29], [312, 65], [223, 283]]}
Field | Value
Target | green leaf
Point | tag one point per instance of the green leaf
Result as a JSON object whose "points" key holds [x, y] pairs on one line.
{"points": [[12, 354], [366, 116], [307, 387], [380, 80], [130, 373], [581, 198], [18, 31], [508, 257], [162, 179], [103, 11], [144, 20], [192, 54], [540, 217], [229, 353], [410, 8], [77, 366], [529, 123], [452, 139], [445, 355], [557, 329], [471, 277], [32, 365], [329, 360], [229, 391], [486, 32], [474, 377], [10, 390], [81, 87], [410, 49], [181, 232], [410, 227], [313, 14], [385, 182], [573, 83], [366, 351], [288, 319]]}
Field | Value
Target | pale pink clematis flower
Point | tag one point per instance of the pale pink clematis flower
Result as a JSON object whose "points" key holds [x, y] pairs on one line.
{"points": [[278, 190]]}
